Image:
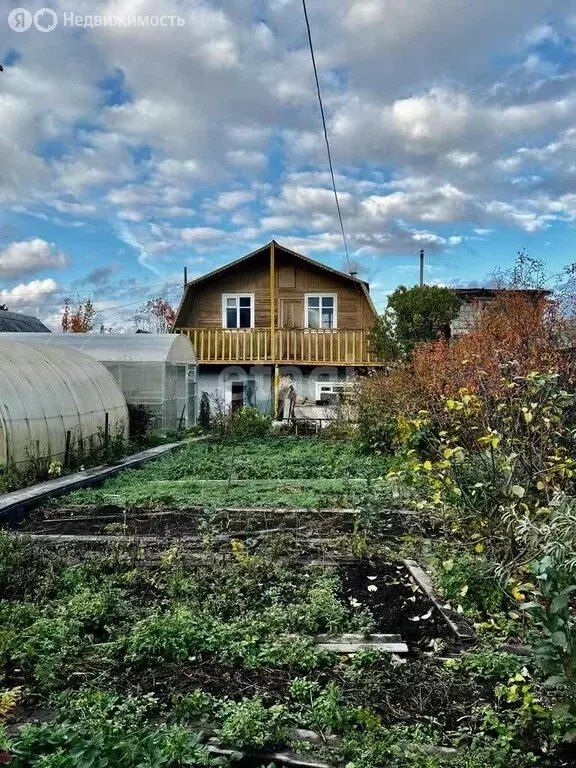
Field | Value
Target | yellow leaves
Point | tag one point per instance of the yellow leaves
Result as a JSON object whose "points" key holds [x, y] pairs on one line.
{"points": [[448, 565], [464, 590], [8, 701], [479, 548], [492, 439], [517, 595], [518, 490], [427, 466]]}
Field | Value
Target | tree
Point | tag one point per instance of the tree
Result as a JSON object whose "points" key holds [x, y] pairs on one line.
{"points": [[205, 417], [155, 316], [515, 335], [414, 315], [77, 317]]}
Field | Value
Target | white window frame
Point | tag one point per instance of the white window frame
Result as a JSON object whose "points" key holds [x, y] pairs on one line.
{"points": [[238, 296], [321, 296], [335, 387]]}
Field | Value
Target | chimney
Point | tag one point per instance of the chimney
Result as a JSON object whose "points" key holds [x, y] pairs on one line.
{"points": [[421, 267]]}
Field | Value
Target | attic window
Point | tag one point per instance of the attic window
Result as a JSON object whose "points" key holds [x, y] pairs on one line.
{"points": [[321, 310], [238, 310]]}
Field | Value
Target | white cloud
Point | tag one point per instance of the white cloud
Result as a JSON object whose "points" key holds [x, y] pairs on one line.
{"points": [[26, 296], [201, 234], [230, 200], [33, 255]]}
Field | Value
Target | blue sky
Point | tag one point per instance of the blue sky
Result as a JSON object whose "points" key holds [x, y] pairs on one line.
{"points": [[128, 152]]}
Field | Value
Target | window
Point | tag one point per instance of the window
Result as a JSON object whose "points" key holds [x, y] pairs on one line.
{"points": [[321, 310], [238, 310], [331, 391]]}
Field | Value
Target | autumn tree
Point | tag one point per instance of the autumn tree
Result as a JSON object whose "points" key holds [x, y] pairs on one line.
{"points": [[155, 316], [77, 317], [516, 334]]}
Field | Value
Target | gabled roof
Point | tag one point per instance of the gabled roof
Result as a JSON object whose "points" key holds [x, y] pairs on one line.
{"points": [[362, 284]]}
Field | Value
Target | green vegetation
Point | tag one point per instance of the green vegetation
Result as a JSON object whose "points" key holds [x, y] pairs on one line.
{"points": [[275, 472], [136, 654], [414, 315]]}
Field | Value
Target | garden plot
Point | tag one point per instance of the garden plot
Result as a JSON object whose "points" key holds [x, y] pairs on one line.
{"points": [[287, 472], [241, 647], [227, 631]]}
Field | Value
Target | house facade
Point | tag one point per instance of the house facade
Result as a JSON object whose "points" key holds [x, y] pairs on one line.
{"points": [[278, 331]]}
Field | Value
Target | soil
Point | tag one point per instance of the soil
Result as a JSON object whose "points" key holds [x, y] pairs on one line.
{"points": [[396, 604], [103, 519]]}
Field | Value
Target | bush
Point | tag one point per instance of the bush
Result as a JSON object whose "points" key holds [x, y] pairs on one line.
{"points": [[140, 420], [249, 422], [205, 416], [469, 580]]}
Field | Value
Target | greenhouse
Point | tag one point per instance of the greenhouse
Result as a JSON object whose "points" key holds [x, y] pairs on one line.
{"points": [[155, 370], [55, 402]]}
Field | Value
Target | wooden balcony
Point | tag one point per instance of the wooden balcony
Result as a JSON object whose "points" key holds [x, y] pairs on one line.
{"points": [[291, 346]]}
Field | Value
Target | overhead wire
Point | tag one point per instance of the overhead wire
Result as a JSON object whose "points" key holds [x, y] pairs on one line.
{"points": [[325, 129]]}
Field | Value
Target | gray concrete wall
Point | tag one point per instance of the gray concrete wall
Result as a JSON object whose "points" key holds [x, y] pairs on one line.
{"points": [[216, 381]]}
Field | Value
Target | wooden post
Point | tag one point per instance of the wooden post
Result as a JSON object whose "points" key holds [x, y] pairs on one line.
{"points": [[276, 378], [67, 449], [106, 429]]}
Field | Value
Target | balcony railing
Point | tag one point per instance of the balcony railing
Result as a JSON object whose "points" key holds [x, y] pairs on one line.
{"points": [[300, 346]]}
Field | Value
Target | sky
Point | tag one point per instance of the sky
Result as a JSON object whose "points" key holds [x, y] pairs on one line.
{"points": [[129, 150]]}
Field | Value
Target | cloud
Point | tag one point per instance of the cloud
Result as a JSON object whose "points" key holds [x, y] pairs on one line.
{"points": [[201, 234], [466, 123], [97, 277], [230, 200], [27, 256], [26, 296]]}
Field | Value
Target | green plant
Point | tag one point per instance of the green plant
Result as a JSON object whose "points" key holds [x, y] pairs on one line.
{"points": [[249, 422], [552, 609], [469, 580], [250, 724], [204, 415]]}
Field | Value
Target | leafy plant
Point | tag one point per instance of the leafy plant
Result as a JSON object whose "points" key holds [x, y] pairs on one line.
{"points": [[250, 724], [553, 611]]}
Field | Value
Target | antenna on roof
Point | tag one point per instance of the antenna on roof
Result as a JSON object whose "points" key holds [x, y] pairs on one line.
{"points": [[185, 276], [421, 267]]}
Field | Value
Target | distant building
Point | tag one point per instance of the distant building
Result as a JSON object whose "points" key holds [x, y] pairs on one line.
{"points": [[14, 322], [475, 300]]}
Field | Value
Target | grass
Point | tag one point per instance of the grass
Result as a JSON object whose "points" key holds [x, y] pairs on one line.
{"points": [[287, 472]]}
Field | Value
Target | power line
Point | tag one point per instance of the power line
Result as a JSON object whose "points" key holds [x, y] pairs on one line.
{"points": [[326, 133]]}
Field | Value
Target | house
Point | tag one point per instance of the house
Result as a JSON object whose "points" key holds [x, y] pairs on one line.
{"points": [[475, 300], [277, 330]]}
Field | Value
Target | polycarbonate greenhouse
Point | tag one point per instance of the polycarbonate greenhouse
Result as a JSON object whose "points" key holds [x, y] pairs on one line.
{"points": [[54, 400], [156, 370]]}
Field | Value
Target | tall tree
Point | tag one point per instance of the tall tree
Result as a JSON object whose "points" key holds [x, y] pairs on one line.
{"points": [[155, 316], [77, 317], [413, 315]]}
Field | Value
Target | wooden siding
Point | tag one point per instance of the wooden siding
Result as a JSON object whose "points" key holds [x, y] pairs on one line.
{"points": [[200, 316], [202, 306]]}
